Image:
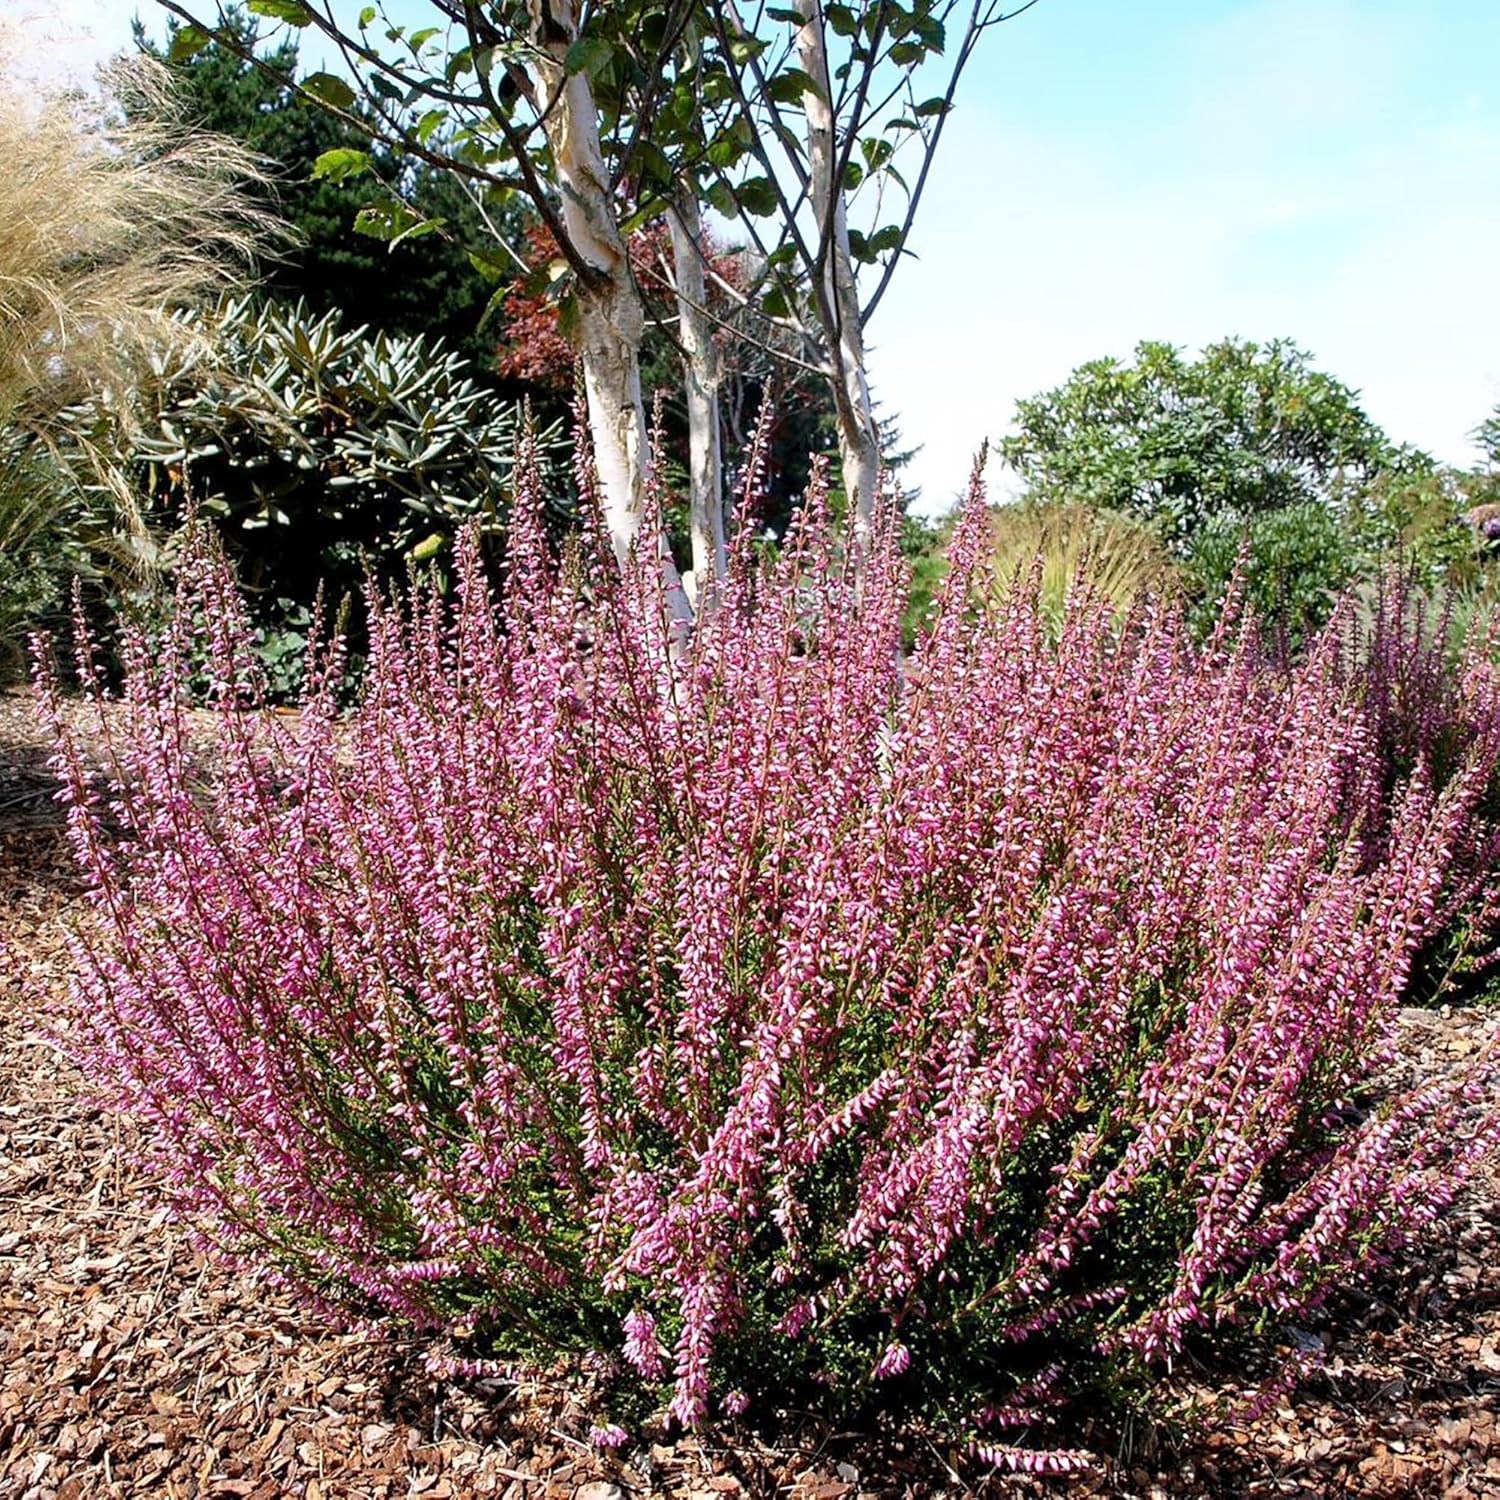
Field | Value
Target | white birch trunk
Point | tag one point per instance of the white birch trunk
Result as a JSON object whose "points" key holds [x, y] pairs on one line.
{"points": [[611, 318], [701, 377], [859, 440]]}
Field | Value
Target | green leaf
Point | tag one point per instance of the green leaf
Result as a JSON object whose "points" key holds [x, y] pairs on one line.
{"points": [[492, 264], [568, 315], [329, 88], [419, 39], [653, 30], [293, 12], [842, 19], [757, 196], [417, 230], [497, 297], [429, 123], [933, 33], [428, 547], [367, 17], [385, 221], [788, 87], [341, 163], [721, 198], [385, 88], [589, 54], [773, 302], [187, 42], [649, 210], [929, 107], [725, 152], [655, 164], [885, 239]]}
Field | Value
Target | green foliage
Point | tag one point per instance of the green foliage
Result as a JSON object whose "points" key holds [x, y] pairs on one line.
{"points": [[323, 169], [687, 98], [37, 543], [1293, 563], [1487, 435], [924, 545], [1248, 452], [318, 451], [1414, 510], [112, 215], [1244, 429]]}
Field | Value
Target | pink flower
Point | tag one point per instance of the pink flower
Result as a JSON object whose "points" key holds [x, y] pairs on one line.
{"points": [[776, 989]]}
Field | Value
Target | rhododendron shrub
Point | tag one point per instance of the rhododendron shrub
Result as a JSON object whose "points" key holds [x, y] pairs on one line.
{"points": [[772, 1013]]}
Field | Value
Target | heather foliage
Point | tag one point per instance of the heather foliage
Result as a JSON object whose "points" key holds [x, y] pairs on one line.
{"points": [[771, 1015]]}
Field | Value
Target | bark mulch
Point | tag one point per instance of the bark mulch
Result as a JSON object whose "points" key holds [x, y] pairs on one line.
{"points": [[131, 1366]]}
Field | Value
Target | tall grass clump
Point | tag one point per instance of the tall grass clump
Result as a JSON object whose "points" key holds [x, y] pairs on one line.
{"points": [[1116, 556], [783, 1020], [114, 215]]}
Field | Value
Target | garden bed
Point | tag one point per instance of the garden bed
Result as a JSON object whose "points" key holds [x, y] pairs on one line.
{"points": [[131, 1366]]}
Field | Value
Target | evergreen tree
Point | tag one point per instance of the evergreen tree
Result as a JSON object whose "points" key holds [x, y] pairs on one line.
{"points": [[421, 286]]}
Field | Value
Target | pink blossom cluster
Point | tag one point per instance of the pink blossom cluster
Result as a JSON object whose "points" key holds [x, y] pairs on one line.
{"points": [[758, 989]]}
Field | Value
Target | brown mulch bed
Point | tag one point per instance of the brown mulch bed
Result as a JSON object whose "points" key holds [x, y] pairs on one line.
{"points": [[131, 1366]]}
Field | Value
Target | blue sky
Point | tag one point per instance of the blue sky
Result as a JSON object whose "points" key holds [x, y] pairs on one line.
{"points": [[1322, 170], [1326, 170]]}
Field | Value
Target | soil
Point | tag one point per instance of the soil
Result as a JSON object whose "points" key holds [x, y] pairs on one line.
{"points": [[132, 1366]]}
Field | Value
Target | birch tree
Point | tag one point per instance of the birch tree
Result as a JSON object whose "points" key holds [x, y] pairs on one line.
{"points": [[502, 95], [832, 111], [810, 127], [838, 299], [701, 392], [611, 322]]}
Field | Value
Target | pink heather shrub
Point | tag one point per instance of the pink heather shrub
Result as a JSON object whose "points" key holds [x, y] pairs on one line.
{"points": [[766, 1013]]}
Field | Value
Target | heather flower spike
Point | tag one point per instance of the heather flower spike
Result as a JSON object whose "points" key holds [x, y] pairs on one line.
{"points": [[749, 994]]}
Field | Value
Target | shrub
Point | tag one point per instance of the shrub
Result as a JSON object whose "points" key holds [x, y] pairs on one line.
{"points": [[1416, 511], [316, 449], [1293, 565], [319, 453], [1243, 429], [779, 1019], [106, 227], [1417, 655], [34, 547]]}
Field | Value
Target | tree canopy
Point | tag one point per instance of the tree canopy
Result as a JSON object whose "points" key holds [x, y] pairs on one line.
{"points": [[431, 288], [1243, 429], [603, 119]]}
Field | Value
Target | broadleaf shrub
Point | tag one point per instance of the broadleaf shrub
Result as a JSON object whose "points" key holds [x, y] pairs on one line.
{"points": [[1293, 565], [773, 1014], [319, 451]]}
